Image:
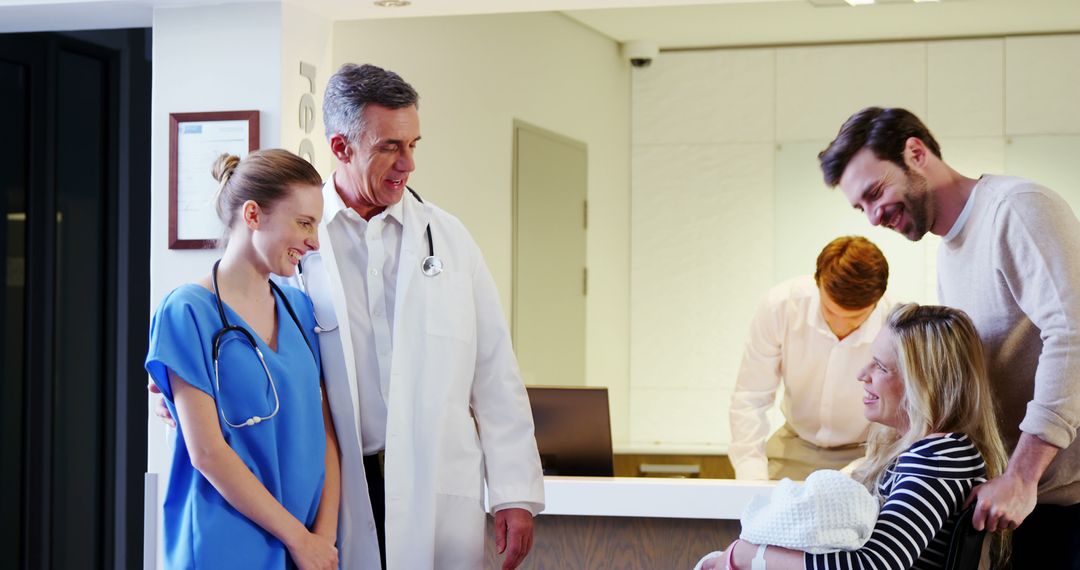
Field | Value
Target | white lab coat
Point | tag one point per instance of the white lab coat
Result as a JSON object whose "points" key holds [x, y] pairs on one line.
{"points": [[452, 361]]}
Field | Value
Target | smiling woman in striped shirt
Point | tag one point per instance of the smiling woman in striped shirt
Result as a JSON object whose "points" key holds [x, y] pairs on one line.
{"points": [[933, 440]]}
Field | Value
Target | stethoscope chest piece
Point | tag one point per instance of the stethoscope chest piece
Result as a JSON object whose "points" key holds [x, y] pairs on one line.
{"points": [[431, 266]]}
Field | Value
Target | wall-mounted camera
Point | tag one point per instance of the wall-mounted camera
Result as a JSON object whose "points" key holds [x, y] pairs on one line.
{"points": [[641, 53]]}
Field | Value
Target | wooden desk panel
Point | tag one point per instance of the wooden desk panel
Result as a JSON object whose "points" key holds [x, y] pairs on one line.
{"points": [[630, 543], [712, 466]]}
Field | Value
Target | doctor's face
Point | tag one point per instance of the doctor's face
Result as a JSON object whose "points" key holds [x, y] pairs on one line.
{"points": [[374, 169], [883, 400], [889, 195]]}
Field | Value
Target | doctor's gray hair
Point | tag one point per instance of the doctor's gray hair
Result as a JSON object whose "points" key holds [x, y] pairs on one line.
{"points": [[352, 88]]}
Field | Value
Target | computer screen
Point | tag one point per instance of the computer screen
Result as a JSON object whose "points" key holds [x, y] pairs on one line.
{"points": [[573, 430]]}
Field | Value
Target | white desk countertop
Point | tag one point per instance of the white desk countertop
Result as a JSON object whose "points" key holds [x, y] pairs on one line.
{"points": [[651, 497]]}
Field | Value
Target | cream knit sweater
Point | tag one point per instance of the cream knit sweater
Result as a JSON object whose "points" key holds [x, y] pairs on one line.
{"points": [[1014, 267]]}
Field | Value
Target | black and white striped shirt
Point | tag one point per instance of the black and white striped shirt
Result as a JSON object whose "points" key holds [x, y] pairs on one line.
{"points": [[924, 490]]}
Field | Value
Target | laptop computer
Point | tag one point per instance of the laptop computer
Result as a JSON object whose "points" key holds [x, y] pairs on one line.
{"points": [[573, 430]]}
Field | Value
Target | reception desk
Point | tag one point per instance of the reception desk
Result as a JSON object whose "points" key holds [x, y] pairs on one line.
{"points": [[634, 522]]}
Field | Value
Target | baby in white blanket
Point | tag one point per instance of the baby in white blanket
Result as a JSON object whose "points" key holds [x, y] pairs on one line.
{"points": [[830, 511]]}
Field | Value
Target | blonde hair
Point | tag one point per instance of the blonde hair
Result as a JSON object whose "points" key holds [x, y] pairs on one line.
{"points": [[264, 176], [946, 389]]}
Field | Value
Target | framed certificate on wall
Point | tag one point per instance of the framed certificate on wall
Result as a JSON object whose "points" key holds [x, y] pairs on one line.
{"points": [[195, 142]]}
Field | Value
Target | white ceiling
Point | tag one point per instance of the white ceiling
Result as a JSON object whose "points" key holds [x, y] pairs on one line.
{"points": [[41, 15], [825, 21], [366, 9], [672, 24]]}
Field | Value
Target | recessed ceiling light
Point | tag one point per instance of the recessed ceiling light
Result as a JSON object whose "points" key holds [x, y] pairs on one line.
{"points": [[392, 3], [921, 1], [859, 2]]}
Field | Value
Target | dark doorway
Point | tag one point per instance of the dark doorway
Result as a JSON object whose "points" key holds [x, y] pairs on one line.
{"points": [[75, 173]]}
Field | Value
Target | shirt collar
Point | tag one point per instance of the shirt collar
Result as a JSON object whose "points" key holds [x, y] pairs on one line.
{"points": [[868, 330], [332, 202], [396, 211], [962, 219], [334, 205], [815, 317], [862, 335]]}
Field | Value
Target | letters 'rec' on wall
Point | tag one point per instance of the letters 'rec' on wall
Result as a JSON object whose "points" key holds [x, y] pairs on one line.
{"points": [[307, 113]]}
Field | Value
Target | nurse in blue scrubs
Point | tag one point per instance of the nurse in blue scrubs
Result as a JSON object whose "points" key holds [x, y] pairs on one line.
{"points": [[254, 480]]}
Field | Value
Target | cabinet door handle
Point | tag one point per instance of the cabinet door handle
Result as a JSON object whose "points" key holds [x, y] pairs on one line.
{"points": [[669, 470]]}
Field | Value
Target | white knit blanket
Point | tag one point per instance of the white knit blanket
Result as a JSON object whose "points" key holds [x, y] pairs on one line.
{"points": [[830, 511]]}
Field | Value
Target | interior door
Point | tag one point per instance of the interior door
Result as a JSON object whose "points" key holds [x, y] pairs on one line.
{"points": [[550, 278], [15, 97]]}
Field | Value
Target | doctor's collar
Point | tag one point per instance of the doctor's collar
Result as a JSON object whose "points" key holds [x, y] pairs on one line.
{"points": [[395, 211], [333, 204]]}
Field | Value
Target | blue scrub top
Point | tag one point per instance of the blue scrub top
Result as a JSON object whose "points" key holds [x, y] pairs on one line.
{"points": [[286, 453]]}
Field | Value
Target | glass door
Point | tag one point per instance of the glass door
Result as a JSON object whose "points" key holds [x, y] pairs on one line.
{"points": [[14, 181]]}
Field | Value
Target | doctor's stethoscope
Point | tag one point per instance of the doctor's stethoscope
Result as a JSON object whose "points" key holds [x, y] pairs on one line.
{"points": [[431, 266], [226, 328]]}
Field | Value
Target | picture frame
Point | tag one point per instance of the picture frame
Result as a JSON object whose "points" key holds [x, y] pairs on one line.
{"points": [[195, 142]]}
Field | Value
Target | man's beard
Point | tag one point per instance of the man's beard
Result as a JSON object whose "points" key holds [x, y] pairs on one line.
{"points": [[917, 204]]}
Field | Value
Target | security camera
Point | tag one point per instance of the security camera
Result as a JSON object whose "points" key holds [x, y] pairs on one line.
{"points": [[641, 53]]}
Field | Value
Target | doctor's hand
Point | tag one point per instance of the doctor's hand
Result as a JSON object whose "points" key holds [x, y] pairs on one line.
{"points": [[514, 535], [313, 552], [159, 405]]}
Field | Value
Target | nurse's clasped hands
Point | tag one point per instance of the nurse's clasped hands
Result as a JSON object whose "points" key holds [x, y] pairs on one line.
{"points": [[311, 551]]}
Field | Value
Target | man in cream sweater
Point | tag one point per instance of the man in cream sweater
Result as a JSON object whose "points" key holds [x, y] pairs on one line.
{"points": [[1010, 258]]}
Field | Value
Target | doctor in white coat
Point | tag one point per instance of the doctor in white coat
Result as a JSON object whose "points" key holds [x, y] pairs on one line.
{"points": [[415, 349]]}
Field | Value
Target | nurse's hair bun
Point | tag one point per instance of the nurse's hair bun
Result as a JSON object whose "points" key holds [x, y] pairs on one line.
{"points": [[263, 176], [223, 167]]}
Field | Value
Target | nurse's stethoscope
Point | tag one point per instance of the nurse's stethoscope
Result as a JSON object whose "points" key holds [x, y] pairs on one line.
{"points": [[226, 328], [430, 266]]}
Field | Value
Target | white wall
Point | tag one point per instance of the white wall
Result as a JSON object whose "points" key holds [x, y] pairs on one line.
{"points": [[305, 37], [475, 75], [727, 196]]}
